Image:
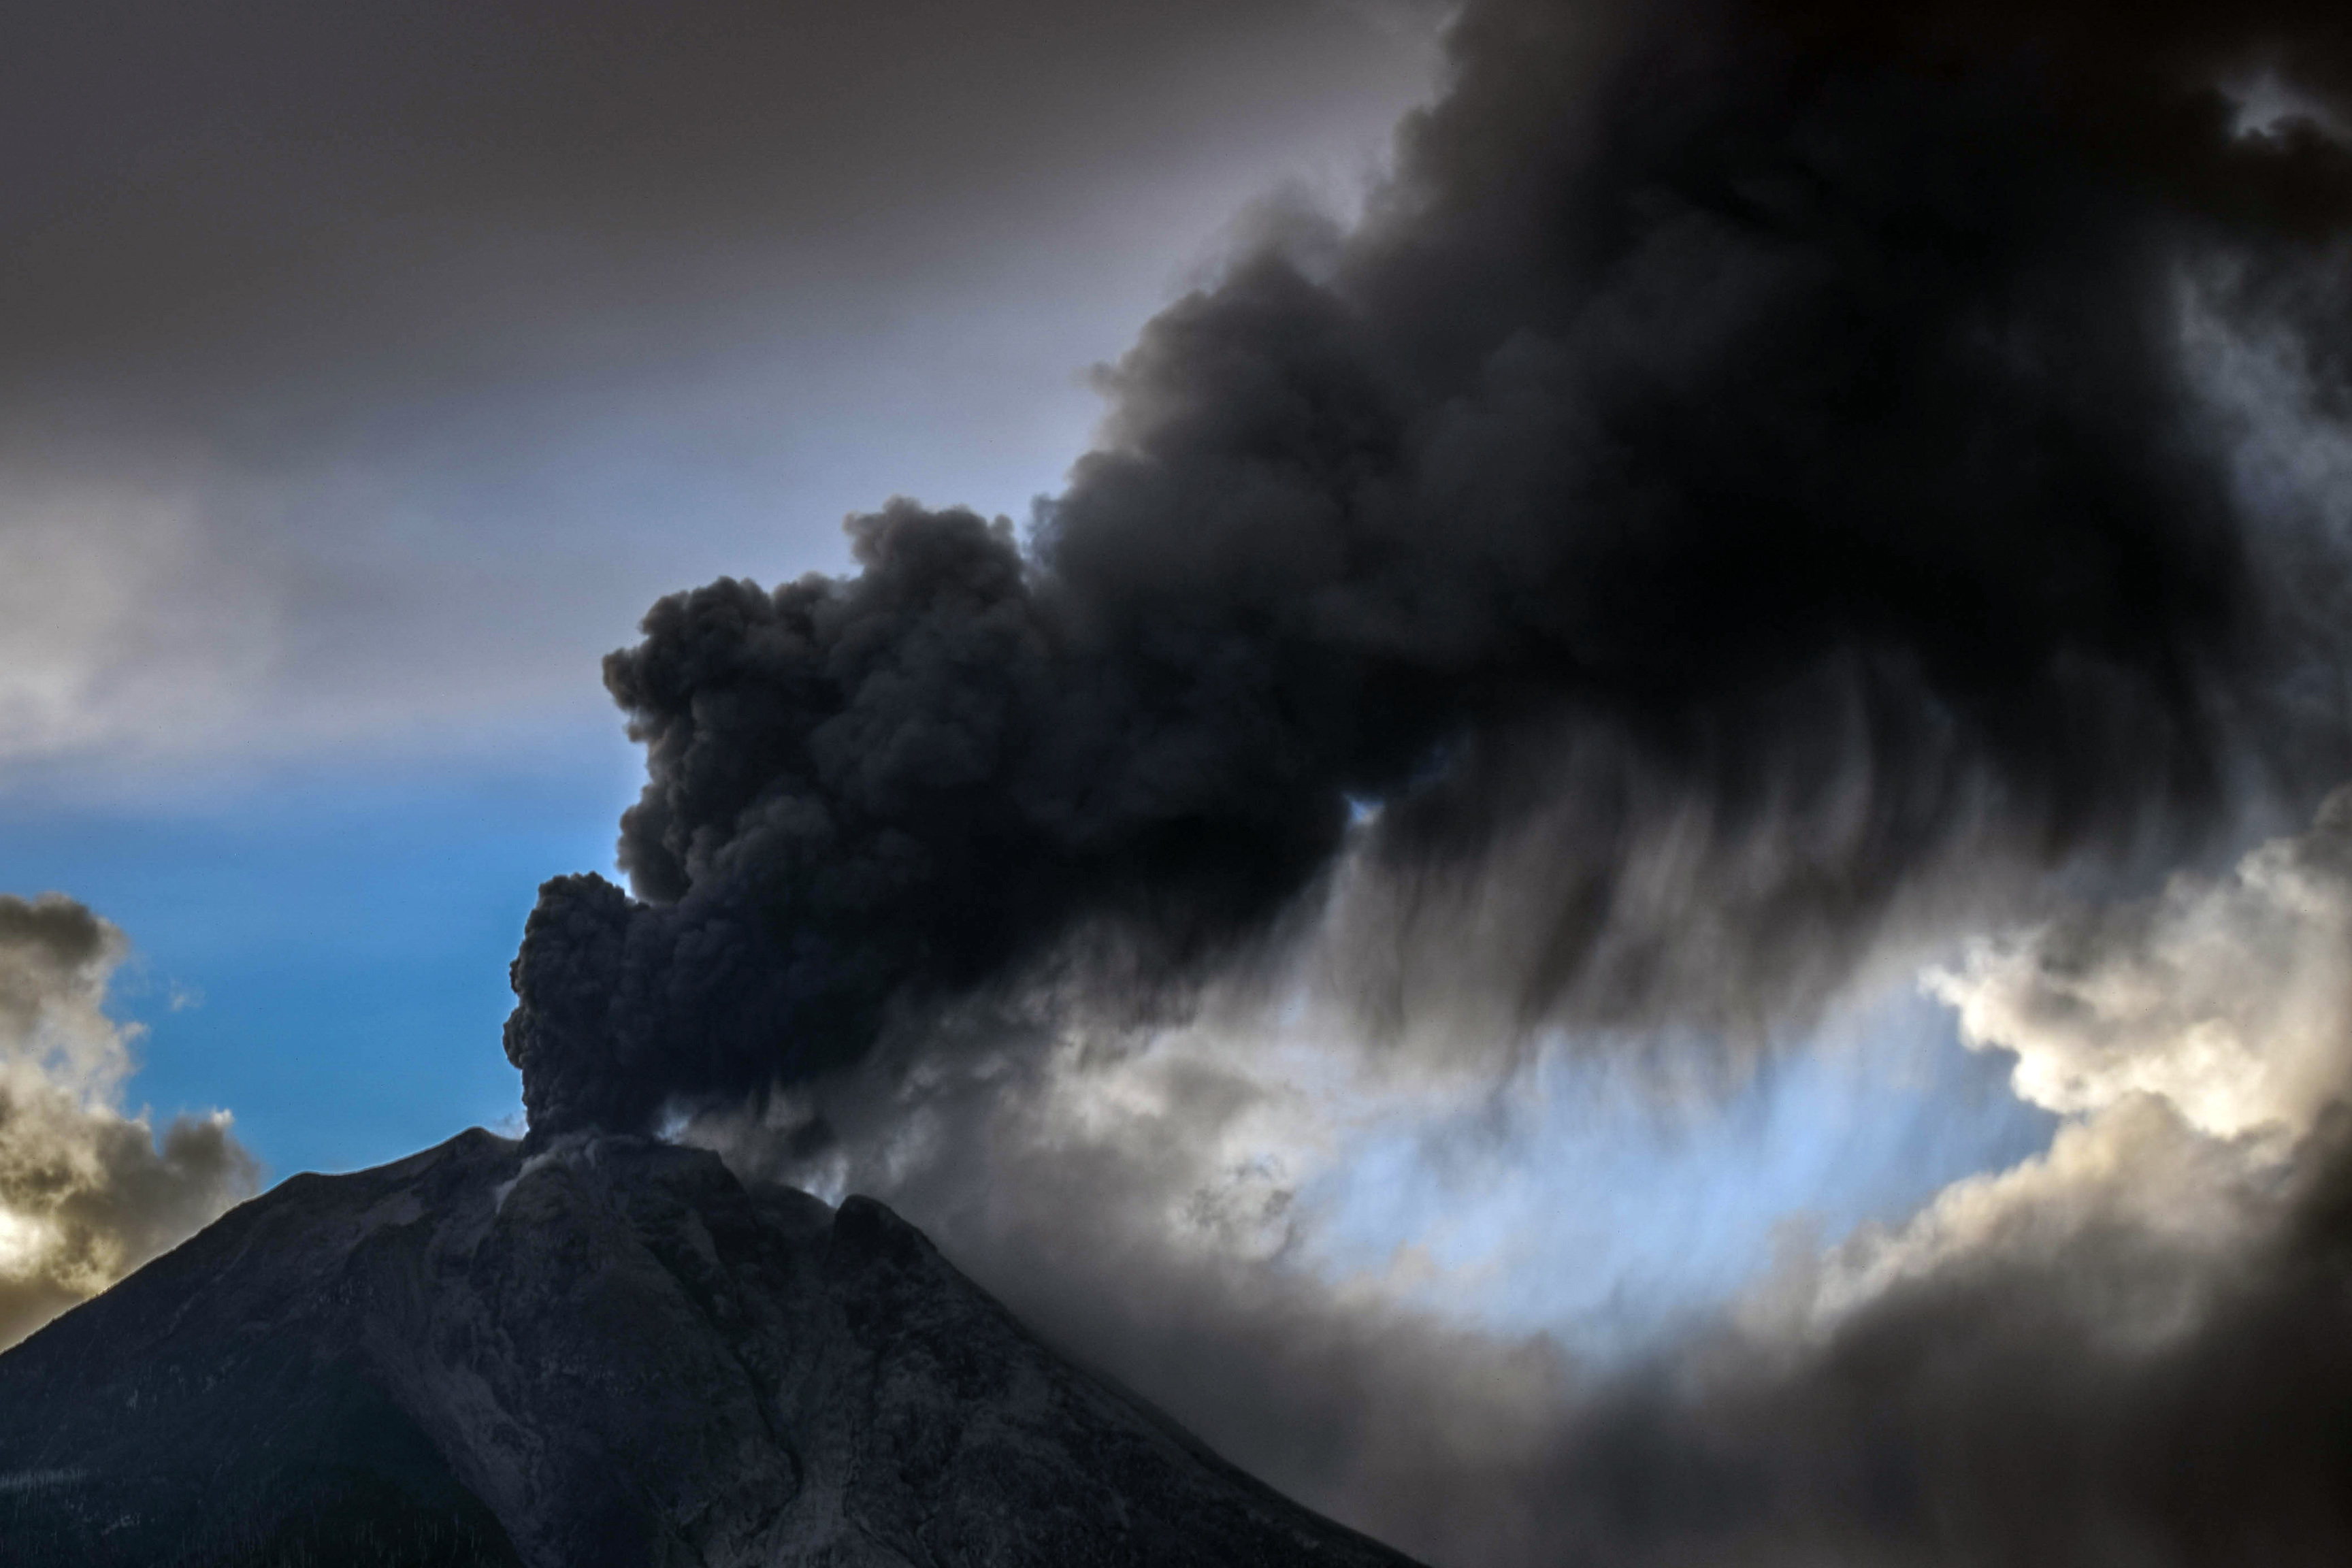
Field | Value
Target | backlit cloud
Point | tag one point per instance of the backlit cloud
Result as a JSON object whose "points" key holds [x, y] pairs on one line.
{"points": [[88, 1191]]}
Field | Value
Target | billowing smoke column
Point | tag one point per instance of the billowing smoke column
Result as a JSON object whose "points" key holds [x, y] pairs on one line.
{"points": [[1795, 394]]}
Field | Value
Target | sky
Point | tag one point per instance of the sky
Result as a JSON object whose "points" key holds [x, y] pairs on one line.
{"points": [[1628, 836], [356, 421]]}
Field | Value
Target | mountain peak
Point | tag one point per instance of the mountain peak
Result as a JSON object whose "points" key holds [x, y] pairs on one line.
{"points": [[604, 1351]]}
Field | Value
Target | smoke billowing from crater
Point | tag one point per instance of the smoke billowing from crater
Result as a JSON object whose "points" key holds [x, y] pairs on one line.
{"points": [[1765, 491], [1793, 397]]}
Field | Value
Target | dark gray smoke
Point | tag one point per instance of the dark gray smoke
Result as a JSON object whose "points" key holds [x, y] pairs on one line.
{"points": [[1796, 394]]}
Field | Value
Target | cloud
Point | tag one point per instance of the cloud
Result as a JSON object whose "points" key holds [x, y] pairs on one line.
{"points": [[1721, 527], [2127, 1347], [88, 1193], [2229, 999], [121, 621]]}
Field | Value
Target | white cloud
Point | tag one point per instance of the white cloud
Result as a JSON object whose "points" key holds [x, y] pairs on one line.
{"points": [[2229, 999], [2194, 1039], [119, 620], [87, 1193]]}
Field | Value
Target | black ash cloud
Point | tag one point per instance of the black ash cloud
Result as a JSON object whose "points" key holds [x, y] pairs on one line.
{"points": [[1795, 394], [1679, 370]]}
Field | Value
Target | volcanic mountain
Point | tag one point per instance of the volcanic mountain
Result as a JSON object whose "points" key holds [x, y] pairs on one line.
{"points": [[606, 1351]]}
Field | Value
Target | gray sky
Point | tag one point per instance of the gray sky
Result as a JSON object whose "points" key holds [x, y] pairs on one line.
{"points": [[367, 371]]}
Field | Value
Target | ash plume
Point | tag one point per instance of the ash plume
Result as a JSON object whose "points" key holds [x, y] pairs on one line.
{"points": [[1792, 400]]}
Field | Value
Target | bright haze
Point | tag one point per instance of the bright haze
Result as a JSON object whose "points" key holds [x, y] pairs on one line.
{"points": [[1625, 847]]}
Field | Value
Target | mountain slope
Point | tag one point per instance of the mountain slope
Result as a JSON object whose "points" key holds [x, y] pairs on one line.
{"points": [[609, 1353]]}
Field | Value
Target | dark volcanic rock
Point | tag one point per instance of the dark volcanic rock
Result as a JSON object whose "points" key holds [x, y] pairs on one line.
{"points": [[611, 1352]]}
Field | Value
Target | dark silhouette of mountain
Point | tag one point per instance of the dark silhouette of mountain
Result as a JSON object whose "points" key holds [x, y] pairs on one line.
{"points": [[607, 1353]]}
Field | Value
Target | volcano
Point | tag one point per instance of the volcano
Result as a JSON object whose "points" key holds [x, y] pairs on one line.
{"points": [[609, 1350]]}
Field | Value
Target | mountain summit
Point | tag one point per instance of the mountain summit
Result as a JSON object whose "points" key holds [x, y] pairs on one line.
{"points": [[610, 1352]]}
